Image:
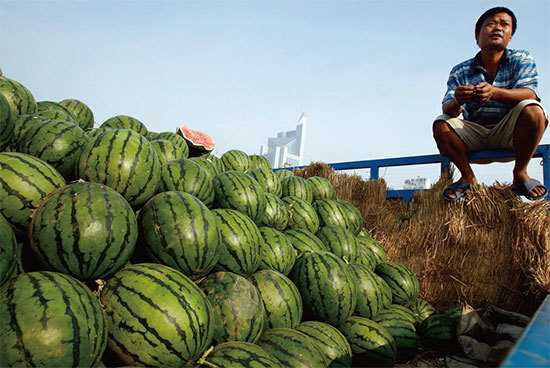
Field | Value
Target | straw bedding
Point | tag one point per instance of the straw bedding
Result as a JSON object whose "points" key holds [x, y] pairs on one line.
{"points": [[491, 249]]}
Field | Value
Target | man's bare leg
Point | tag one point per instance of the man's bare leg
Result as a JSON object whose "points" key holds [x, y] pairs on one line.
{"points": [[528, 132], [451, 146]]}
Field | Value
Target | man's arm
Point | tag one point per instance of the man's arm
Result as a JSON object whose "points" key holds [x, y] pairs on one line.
{"points": [[462, 95], [486, 91]]}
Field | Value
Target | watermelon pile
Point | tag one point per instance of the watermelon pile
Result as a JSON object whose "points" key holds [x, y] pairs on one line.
{"points": [[126, 247]]}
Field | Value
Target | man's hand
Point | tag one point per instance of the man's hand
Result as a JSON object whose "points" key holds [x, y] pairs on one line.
{"points": [[464, 94], [483, 92]]}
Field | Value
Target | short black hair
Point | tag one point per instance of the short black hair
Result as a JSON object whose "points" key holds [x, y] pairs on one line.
{"points": [[493, 11]]}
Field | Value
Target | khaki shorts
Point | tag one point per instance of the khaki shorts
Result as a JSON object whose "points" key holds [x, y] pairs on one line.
{"points": [[478, 137]]}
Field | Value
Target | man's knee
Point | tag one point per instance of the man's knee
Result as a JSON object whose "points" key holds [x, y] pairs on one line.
{"points": [[532, 116], [439, 128]]}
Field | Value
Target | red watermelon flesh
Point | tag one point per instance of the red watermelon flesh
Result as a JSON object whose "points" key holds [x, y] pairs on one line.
{"points": [[196, 139]]}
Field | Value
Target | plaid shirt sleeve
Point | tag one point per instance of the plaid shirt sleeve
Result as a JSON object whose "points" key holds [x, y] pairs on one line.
{"points": [[525, 71], [452, 83]]}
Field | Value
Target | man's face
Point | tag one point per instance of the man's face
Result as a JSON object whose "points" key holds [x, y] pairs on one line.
{"points": [[496, 32]]}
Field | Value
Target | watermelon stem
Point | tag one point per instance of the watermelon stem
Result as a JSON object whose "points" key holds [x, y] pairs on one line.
{"points": [[202, 360]]}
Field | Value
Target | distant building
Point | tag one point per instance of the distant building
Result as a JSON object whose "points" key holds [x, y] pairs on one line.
{"points": [[287, 149], [418, 183]]}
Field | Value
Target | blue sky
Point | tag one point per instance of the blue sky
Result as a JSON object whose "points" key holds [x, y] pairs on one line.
{"points": [[369, 75]]}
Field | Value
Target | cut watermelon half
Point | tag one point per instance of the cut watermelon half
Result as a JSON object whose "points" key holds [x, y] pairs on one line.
{"points": [[198, 142]]}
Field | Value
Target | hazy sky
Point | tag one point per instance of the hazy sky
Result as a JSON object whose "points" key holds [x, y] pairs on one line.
{"points": [[369, 75]]}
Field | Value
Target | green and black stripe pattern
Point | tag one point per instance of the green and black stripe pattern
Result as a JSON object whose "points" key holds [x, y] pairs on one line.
{"points": [[302, 215], [340, 241], [241, 354], [276, 214], [81, 112], [373, 295], [402, 281], [21, 100], [187, 176], [125, 122], [57, 142], [239, 313], [123, 160], [7, 124], [372, 344], [330, 341], [50, 319], [277, 251], [24, 181], [292, 348], [268, 180], [156, 316], [321, 188], [179, 231], [236, 160], [167, 151], [304, 241], [281, 298], [327, 286], [239, 191], [297, 186], [240, 239], [86, 230]]}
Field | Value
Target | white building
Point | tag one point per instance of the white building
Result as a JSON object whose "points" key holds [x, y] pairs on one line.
{"points": [[287, 149], [417, 183]]}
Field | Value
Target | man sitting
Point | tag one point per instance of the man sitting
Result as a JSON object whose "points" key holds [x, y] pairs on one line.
{"points": [[496, 92]]}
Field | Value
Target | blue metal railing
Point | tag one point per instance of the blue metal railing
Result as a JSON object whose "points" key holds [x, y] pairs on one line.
{"points": [[543, 151]]}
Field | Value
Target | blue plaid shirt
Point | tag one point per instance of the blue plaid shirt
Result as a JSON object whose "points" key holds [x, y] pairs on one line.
{"points": [[517, 69]]}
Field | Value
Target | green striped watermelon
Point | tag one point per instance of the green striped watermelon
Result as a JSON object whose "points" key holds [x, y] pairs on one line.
{"points": [[403, 332], [187, 176], [240, 239], [366, 256], [207, 165], [21, 124], [86, 230], [438, 332], [373, 295], [275, 214], [239, 191], [354, 216], [240, 354], [364, 232], [178, 230], [125, 122], [302, 215], [8, 251], [292, 348], [371, 344], [49, 319], [402, 281], [176, 139], [166, 150], [321, 188], [330, 213], [258, 161], [339, 241], [421, 310], [405, 312], [304, 241], [57, 115], [56, 142], [7, 124], [24, 181], [283, 173], [281, 298], [327, 287], [236, 160], [18, 96], [239, 314], [55, 106], [371, 247], [123, 160], [277, 251], [81, 112], [156, 316], [296, 186], [330, 341], [268, 180]]}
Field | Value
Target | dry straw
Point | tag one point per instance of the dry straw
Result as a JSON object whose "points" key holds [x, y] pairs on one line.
{"points": [[490, 249]]}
